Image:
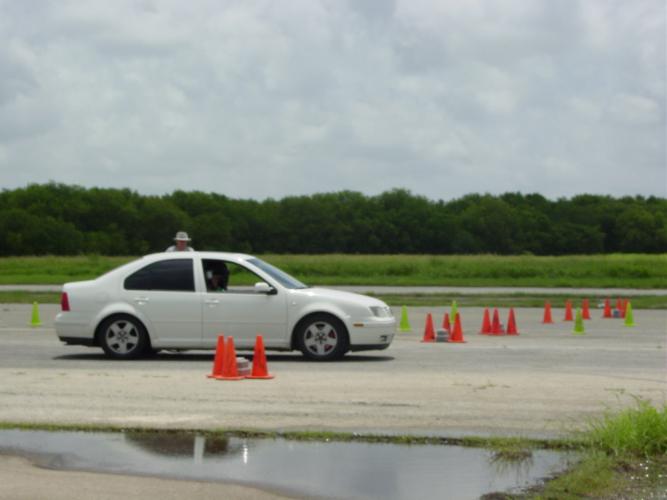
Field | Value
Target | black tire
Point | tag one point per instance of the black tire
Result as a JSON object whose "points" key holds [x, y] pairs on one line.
{"points": [[123, 337], [322, 337]]}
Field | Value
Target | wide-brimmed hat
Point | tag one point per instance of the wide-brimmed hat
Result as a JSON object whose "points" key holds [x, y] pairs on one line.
{"points": [[181, 236]]}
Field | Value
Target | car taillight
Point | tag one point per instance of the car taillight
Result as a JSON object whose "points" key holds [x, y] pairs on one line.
{"points": [[64, 302]]}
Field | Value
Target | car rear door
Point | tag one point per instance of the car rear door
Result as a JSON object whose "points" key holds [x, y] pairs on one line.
{"points": [[164, 293]]}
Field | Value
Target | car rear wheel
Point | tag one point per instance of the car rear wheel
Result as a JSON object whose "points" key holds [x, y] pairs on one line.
{"points": [[322, 337], [123, 337]]}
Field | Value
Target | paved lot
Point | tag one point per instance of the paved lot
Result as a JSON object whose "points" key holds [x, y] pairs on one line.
{"points": [[544, 382], [19, 480]]}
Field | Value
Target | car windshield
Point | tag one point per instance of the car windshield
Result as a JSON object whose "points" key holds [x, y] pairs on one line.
{"points": [[280, 276]]}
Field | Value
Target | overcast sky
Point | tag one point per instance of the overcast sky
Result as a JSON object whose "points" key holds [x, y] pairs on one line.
{"points": [[257, 99]]}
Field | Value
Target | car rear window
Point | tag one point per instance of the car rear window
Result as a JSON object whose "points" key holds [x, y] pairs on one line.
{"points": [[168, 275]]}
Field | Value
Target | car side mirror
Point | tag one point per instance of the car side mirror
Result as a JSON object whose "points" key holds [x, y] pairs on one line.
{"points": [[262, 287]]}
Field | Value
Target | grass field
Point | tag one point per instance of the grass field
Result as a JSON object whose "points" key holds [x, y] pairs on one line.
{"points": [[608, 271], [625, 456]]}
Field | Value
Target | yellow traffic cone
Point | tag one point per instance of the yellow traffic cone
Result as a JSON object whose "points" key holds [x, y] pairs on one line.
{"points": [[629, 318], [579, 324], [405, 323], [35, 315]]}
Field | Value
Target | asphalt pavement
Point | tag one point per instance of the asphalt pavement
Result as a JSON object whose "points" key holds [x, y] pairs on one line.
{"points": [[543, 382]]}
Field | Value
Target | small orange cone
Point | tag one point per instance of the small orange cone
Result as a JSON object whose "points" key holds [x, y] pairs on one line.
{"points": [[219, 358], [496, 329], [457, 334], [585, 312], [607, 309], [486, 323], [547, 313], [259, 368], [511, 324], [429, 332], [625, 307], [619, 308], [568, 311], [446, 325], [229, 369]]}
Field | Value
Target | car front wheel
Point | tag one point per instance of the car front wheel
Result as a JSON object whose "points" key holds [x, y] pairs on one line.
{"points": [[322, 337], [123, 337]]}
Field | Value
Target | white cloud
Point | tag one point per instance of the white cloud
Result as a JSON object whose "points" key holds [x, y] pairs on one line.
{"points": [[260, 98]]}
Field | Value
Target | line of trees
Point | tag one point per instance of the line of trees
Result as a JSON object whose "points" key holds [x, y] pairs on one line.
{"points": [[64, 219]]}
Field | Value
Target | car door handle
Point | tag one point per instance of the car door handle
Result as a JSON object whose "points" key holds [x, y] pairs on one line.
{"points": [[212, 302], [141, 300]]}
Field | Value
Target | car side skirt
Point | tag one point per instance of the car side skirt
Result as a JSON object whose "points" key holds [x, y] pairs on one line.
{"points": [[78, 341], [369, 347]]}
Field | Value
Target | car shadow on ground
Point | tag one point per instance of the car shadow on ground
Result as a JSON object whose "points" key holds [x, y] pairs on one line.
{"points": [[208, 357]]}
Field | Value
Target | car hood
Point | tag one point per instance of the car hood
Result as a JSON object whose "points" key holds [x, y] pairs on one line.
{"points": [[340, 295]]}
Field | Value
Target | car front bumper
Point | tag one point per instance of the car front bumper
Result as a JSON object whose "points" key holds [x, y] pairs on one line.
{"points": [[373, 333]]}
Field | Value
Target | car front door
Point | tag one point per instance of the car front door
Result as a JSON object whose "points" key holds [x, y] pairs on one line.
{"points": [[164, 293], [236, 310]]}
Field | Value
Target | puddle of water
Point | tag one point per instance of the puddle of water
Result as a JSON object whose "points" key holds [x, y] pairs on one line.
{"points": [[332, 470]]}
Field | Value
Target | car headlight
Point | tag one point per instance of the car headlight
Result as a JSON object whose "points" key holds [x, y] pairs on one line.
{"points": [[381, 311]]}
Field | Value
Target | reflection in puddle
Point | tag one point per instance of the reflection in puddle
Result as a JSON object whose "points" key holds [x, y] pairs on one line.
{"points": [[332, 470]]}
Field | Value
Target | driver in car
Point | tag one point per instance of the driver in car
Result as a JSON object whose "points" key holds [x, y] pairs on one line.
{"points": [[219, 278]]}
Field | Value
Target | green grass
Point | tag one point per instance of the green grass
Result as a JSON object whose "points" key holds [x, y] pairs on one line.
{"points": [[609, 271], [20, 297], [625, 457], [512, 300], [55, 270], [640, 271], [639, 431], [593, 477]]}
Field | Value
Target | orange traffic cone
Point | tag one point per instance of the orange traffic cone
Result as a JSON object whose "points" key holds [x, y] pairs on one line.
{"points": [[607, 309], [496, 329], [219, 358], [457, 334], [585, 312], [624, 308], [446, 325], [429, 332], [511, 324], [568, 311], [259, 368], [486, 323], [547, 313], [619, 307], [229, 369]]}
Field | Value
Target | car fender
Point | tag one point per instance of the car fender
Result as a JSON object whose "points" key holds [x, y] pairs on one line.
{"points": [[319, 307], [120, 308]]}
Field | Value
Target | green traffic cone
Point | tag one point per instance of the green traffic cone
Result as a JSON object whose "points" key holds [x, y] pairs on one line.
{"points": [[453, 313], [405, 323], [35, 315], [629, 319], [579, 324]]}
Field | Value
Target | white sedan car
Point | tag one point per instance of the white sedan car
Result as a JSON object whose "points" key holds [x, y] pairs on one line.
{"points": [[184, 300]]}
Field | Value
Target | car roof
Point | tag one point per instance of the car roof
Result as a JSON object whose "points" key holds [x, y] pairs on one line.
{"points": [[204, 255], [156, 257]]}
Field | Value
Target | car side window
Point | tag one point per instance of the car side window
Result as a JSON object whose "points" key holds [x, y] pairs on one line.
{"points": [[167, 275], [224, 276]]}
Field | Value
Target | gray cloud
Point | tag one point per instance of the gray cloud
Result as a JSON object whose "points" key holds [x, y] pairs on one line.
{"points": [[257, 99]]}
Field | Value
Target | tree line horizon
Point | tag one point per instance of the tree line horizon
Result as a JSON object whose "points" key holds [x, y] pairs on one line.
{"points": [[61, 219]]}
